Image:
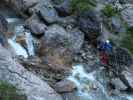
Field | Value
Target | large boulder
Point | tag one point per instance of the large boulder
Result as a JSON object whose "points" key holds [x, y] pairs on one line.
{"points": [[65, 86], [15, 74], [3, 24], [3, 40], [21, 5], [46, 11], [57, 36], [58, 46], [76, 39], [117, 25], [36, 27], [3, 30], [127, 78], [119, 85], [128, 1], [64, 9], [127, 15], [89, 24], [119, 60]]}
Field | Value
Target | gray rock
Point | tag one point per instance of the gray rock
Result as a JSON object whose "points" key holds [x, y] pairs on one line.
{"points": [[17, 75], [3, 40], [3, 30], [88, 23], [119, 60], [55, 49], [56, 35], [58, 46], [127, 77], [37, 27], [46, 11], [3, 24], [67, 22], [129, 1], [65, 86], [127, 15], [64, 9], [76, 39], [119, 85], [117, 25], [21, 5]]}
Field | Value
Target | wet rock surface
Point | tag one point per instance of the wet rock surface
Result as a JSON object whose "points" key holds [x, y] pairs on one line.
{"points": [[127, 78], [65, 86], [3, 30]]}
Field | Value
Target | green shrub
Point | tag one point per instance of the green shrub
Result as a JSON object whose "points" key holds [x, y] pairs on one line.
{"points": [[58, 1], [9, 92], [127, 42], [130, 31], [110, 11], [82, 5]]}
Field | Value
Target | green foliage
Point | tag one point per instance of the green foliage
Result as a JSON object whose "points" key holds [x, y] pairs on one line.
{"points": [[110, 11], [130, 31], [9, 92], [127, 42], [58, 1], [82, 5]]}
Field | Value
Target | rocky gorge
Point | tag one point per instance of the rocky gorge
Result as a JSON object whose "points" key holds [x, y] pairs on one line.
{"points": [[49, 49]]}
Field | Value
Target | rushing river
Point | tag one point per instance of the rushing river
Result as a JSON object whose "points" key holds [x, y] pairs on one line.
{"points": [[17, 27], [93, 86]]}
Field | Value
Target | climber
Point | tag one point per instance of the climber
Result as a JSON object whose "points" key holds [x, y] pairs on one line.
{"points": [[105, 49]]}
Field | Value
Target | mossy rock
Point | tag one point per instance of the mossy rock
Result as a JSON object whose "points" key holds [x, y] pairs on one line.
{"points": [[9, 92], [82, 5], [110, 11], [130, 31], [57, 2], [127, 42]]}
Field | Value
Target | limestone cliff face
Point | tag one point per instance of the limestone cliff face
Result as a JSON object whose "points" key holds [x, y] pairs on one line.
{"points": [[17, 75]]}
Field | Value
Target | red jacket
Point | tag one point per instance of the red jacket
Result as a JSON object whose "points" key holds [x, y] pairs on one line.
{"points": [[104, 58]]}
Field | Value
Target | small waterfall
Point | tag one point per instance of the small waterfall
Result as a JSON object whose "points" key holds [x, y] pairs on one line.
{"points": [[18, 48], [29, 42], [83, 81], [21, 31], [12, 20], [88, 87]]}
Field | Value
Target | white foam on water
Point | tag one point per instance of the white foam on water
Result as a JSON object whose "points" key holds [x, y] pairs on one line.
{"points": [[20, 51], [129, 97], [29, 42], [12, 20], [82, 80], [19, 29], [85, 82]]}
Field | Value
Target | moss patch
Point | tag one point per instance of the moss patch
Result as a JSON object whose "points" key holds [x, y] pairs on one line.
{"points": [[9, 92], [82, 5], [110, 11], [57, 2], [127, 42]]}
